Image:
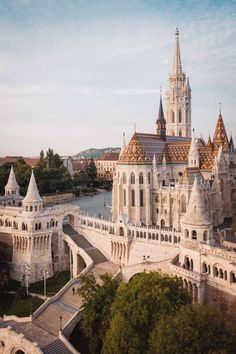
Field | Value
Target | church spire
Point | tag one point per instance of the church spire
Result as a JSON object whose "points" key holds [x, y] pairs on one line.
{"points": [[220, 135], [161, 122], [177, 67]]}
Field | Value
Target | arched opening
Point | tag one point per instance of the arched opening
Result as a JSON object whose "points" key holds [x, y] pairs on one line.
{"points": [[172, 117], [204, 268], [194, 235], [180, 133], [205, 236], [67, 220], [141, 178], [180, 116], [132, 178], [162, 223], [121, 231]]}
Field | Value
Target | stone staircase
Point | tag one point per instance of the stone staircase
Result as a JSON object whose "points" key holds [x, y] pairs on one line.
{"points": [[56, 347]]}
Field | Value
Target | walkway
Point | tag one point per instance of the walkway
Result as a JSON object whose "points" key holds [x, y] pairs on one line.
{"points": [[44, 328]]}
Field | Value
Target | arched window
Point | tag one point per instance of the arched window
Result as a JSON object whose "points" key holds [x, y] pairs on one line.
{"points": [[180, 133], [133, 198], [186, 233], [194, 235], [31, 208], [172, 117], [180, 116], [205, 236], [162, 223], [172, 133], [141, 198], [183, 204], [141, 178], [204, 267], [132, 178], [149, 177], [124, 178], [124, 197]]}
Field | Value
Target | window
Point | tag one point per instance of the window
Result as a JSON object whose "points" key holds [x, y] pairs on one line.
{"points": [[133, 198], [141, 198], [194, 235], [141, 178], [149, 177], [124, 197], [183, 204], [205, 236], [172, 117], [132, 178], [180, 116], [180, 133], [124, 178]]}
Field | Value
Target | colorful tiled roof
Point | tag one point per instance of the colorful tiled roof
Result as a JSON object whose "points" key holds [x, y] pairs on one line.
{"points": [[220, 136], [109, 156]]}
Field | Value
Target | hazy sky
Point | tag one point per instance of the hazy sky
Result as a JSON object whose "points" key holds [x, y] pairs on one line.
{"points": [[76, 74]]}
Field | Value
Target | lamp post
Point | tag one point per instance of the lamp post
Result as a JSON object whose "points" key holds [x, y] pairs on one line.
{"points": [[45, 275], [26, 277], [60, 318]]}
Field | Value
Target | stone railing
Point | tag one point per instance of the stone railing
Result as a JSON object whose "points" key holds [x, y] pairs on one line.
{"points": [[188, 273]]}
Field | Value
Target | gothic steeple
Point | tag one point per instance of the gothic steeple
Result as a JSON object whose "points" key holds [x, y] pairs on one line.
{"points": [[177, 67], [220, 136], [178, 97], [161, 122]]}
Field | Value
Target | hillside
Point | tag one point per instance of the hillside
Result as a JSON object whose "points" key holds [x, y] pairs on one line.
{"points": [[94, 153]]}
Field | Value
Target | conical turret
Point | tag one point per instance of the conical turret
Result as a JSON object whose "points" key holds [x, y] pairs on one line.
{"points": [[196, 215], [32, 200], [12, 187], [220, 135]]}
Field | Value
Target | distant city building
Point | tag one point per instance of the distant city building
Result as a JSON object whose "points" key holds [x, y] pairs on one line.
{"points": [[31, 161], [106, 165], [79, 165]]}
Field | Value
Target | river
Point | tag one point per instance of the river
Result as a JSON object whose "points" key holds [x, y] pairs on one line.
{"points": [[97, 204]]}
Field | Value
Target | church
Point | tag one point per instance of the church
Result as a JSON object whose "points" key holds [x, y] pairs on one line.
{"points": [[155, 172]]}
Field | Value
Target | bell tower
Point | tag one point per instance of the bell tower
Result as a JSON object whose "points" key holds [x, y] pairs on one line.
{"points": [[178, 98]]}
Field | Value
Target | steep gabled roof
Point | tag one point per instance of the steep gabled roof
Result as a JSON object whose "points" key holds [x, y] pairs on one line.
{"points": [[220, 136]]}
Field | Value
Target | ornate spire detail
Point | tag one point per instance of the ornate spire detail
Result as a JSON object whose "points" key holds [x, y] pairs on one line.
{"points": [[123, 146], [209, 141], [12, 186], [32, 195], [177, 67], [161, 112]]}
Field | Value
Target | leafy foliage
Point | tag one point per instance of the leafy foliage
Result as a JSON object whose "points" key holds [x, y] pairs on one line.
{"points": [[194, 329], [97, 300], [137, 307]]}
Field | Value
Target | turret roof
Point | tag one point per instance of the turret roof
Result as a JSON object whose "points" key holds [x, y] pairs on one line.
{"points": [[32, 195], [11, 183], [196, 213], [220, 136]]}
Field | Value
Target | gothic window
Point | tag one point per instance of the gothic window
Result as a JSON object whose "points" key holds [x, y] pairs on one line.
{"points": [[205, 236], [132, 178], [141, 198], [194, 235], [180, 133], [141, 178], [172, 133], [162, 223], [149, 177], [172, 117], [180, 116], [232, 278], [204, 267], [124, 197], [186, 233], [124, 178], [183, 204], [133, 198]]}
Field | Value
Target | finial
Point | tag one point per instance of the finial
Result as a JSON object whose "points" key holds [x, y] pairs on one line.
{"points": [[220, 106], [177, 31], [160, 91]]}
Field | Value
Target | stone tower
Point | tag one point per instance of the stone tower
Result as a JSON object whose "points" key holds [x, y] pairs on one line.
{"points": [[178, 98]]}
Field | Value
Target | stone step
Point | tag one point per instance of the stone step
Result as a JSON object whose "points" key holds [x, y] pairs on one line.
{"points": [[56, 347], [47, 326]]}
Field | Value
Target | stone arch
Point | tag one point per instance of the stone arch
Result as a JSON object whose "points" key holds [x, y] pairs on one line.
{"points": [[121, 231], [69, 219]]}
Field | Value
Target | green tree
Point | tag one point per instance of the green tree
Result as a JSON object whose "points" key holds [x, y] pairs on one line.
{"points": [[3, 280], [90, 169], [137, 307], [96, 308], [194, 329]]}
